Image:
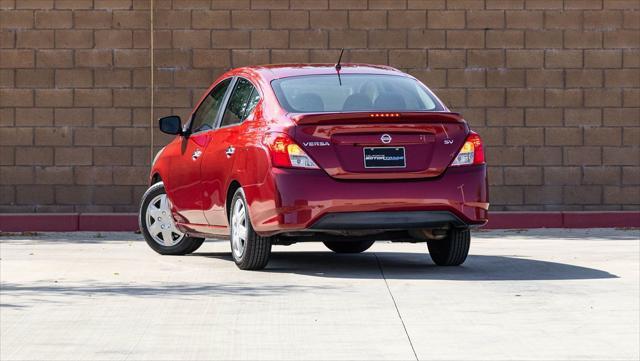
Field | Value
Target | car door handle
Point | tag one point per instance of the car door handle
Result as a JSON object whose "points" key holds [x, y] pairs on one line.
{"points": [[230, 151], [196, 154]]}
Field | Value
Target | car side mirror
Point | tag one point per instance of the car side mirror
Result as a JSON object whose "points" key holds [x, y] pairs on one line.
{"points": [[171, 124]]}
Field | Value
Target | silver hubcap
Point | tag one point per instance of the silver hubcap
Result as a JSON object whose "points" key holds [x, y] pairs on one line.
{"points": [[238, 228], [160, 222]]}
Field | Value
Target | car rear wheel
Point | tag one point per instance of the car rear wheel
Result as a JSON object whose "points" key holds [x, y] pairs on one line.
{"points": [[157, 225], [349, 246], [452, 250], [249, 250]]}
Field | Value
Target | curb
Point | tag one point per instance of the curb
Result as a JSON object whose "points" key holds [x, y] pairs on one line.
{"points": [[69, 222], [569, 219]]}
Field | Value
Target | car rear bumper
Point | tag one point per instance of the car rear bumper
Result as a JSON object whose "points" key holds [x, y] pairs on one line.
{"points": [[312, 200]]}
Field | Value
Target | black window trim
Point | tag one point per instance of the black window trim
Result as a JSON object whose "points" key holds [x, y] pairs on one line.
{"points": [[226, 100]]}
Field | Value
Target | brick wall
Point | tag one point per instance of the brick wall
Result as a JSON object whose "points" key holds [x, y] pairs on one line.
{"points": [[552, 86]]}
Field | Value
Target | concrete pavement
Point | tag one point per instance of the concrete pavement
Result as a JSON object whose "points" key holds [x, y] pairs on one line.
{"points": [[544, 294]]}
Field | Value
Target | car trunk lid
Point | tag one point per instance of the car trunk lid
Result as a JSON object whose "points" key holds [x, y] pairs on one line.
{"points": [[363, 145]]}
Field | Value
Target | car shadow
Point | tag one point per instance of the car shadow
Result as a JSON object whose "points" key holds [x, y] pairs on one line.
{"points": [[51, 238], [95, 288], [416, 266]]}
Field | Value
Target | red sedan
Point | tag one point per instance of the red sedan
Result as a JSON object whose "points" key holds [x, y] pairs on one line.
{"points": [[344, 155]]}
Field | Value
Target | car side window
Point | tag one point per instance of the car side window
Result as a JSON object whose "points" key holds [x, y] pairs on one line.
{"points": [[241, 103], [206, 115]]}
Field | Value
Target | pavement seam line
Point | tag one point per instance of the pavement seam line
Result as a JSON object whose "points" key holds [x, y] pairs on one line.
{"points": [[396, 306]]}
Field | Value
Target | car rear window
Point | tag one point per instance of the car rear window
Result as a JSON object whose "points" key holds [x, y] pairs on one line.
{"points": [[353, 93]]}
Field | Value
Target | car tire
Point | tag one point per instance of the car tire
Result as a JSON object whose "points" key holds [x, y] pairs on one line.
{"points": [[451, 251], [349, 246], [249, 250], [155, 213]]}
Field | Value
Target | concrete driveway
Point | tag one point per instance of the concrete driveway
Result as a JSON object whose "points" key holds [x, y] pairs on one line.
{"points": [[547, 294]]}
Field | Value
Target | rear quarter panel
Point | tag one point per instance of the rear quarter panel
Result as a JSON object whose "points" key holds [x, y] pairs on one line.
{"points": [[252, 167]]}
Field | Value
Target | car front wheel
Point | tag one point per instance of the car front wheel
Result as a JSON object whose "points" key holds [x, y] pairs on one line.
{"points": [[452, 250], [157, 225]]}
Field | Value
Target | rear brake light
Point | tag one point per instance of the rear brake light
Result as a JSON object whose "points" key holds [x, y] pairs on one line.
{"points": [[471, 152], [383, 115], [286, 153]]}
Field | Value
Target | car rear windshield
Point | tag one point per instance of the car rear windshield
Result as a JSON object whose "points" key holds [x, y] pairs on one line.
{"points": [[353, 92]]}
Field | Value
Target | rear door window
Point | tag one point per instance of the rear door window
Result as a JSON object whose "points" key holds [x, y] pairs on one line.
{"points": [[241, 103]]}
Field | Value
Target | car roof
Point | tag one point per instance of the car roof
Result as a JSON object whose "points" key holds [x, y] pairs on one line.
{"points": [[277, 71]]}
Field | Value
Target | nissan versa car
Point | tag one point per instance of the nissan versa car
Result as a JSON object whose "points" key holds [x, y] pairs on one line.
{"points": [[340, 154]]}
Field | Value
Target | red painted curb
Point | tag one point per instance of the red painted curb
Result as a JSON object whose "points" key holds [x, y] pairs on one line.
{"points": [[601, 219], [511, 220], [45, 222], [569, 219], [128, 222], [108, 222]]}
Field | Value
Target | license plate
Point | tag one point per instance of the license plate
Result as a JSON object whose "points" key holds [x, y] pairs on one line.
{"points": [[384, 157]]}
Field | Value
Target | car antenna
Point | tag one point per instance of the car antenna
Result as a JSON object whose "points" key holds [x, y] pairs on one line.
{"points": [[338, 66]]}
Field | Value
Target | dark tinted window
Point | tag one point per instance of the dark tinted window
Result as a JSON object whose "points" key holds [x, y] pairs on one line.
{"points": [[241, 103], [206, 115], [353, 92]]}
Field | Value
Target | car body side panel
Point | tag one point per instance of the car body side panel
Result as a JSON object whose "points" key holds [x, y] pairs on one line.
{"points": [[181, 176], [216, 169]]}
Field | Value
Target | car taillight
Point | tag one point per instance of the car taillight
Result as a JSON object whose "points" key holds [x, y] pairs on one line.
{"points": [[286, 153], [471, 152]]}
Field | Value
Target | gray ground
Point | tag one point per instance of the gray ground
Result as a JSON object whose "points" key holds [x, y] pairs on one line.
{"points": [[547, 294]]}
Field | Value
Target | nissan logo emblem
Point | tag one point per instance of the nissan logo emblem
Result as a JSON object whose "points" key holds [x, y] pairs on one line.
{"points": [[385, 138]]}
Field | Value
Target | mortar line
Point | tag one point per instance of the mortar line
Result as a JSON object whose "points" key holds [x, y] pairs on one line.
{"points": [[396, 306]]}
